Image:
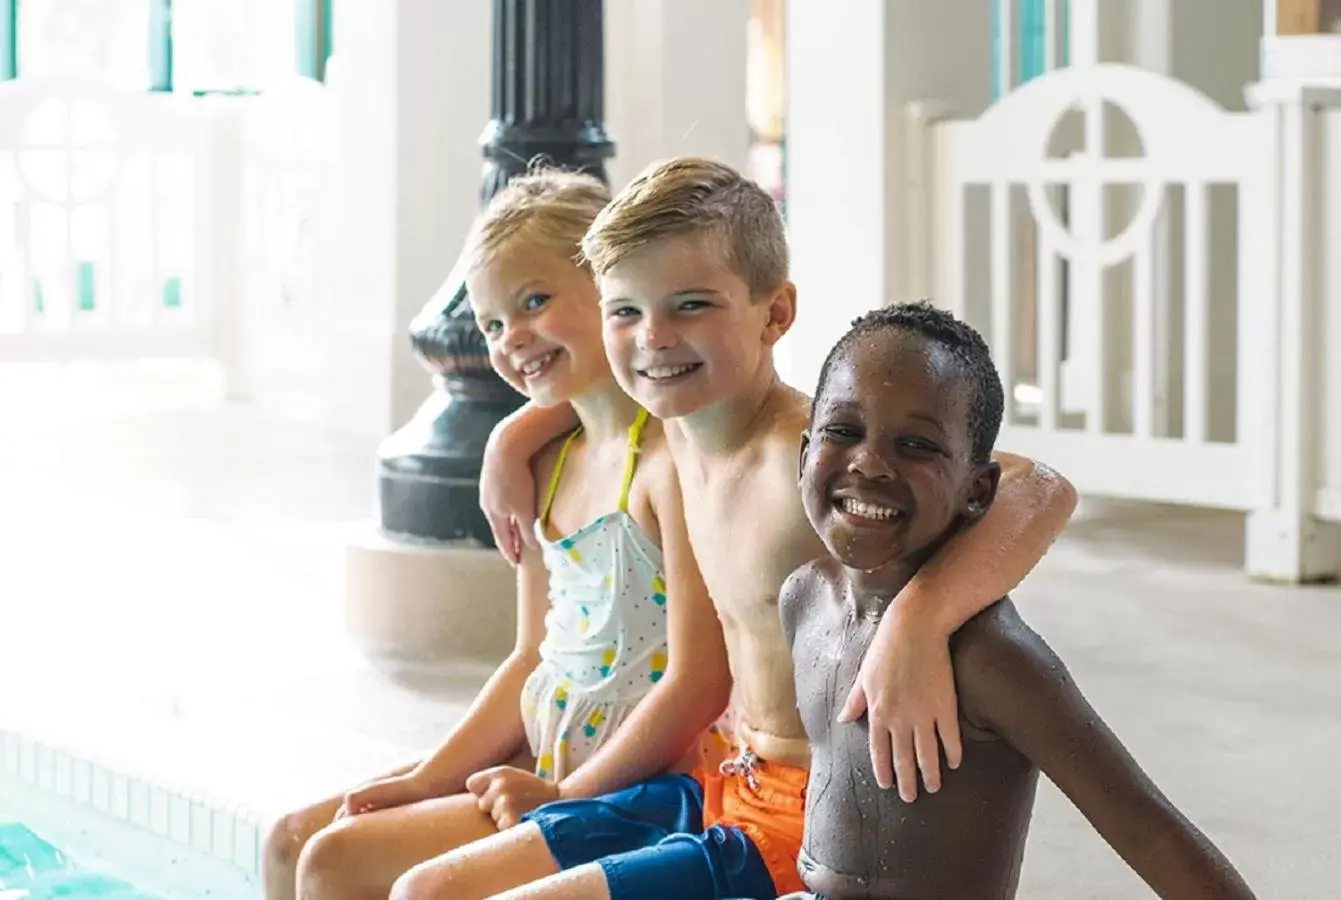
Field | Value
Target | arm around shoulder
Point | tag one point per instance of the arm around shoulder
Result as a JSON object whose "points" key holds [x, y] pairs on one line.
{"points": [[507, 485], [1011, 683], [989, 559]]}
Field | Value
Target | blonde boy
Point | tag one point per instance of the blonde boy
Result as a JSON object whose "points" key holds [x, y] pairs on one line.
{"points": [[691, 260]]}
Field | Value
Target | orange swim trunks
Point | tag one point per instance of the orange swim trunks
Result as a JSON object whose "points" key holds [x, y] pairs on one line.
{"points": [[766, 801]]}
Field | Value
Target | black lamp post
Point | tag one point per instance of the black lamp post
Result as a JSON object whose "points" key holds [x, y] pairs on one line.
{"points": [[548, 102]]}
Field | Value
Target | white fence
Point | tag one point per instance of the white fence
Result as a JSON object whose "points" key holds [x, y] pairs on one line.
{"points": [[137, 224], [1148, 268]]}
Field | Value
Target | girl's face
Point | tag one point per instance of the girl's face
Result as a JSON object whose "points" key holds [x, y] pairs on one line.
{"points": [[540, 314]]}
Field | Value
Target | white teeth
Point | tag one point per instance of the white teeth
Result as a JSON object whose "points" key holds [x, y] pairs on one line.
{"points": [[666, 371], [537, 364], [866, 510]]}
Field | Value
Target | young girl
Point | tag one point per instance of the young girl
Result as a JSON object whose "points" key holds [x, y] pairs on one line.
{"points": [[620, 664]]}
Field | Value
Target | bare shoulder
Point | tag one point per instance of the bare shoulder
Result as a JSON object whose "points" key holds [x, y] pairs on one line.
{"points": [[1002, 665], [782, 424], [801, 590], [656, 465], [543, 462]]}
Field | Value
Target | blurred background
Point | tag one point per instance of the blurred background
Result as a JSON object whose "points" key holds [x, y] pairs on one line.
{"points": [[221, 221]]}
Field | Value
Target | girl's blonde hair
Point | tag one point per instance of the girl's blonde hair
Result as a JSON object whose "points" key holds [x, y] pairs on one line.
{"points": [[551, 207]]}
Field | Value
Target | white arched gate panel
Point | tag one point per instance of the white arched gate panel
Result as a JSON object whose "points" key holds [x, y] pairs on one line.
{"points": [[106, 224], [1051, 234]]}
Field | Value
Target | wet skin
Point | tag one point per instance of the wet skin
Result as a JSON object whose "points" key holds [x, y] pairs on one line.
{"points": [[887, 475]]}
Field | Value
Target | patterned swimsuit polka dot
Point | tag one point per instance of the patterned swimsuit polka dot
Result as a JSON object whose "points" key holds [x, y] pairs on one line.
{"points": [[605, 632]]}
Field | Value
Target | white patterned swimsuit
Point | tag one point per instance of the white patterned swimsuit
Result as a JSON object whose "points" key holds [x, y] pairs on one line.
{"points": [[605, 632]]}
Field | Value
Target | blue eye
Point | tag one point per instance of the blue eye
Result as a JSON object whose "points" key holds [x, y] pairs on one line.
{"points": [[693, 305], [534, 302], [623, 312], [493, 326]]}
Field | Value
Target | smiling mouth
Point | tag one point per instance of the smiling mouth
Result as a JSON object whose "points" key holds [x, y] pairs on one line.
{"points": [[866, 513], [669, 374], [538, 366]]}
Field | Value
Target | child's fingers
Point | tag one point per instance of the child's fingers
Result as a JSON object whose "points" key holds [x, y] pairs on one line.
{"points": [[881, 760], [948, 726], [478, 783], [905, 763], [854, 707], [500, 527], [928, 757], [527, 535]]}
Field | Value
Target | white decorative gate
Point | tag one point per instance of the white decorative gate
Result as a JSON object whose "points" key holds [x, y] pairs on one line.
{"points": [[105, 224], [1136, 369]]}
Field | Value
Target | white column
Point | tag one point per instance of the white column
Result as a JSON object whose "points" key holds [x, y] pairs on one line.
{"points": [[1286, 540], [412, 80], [853, 68], [675, 82]]}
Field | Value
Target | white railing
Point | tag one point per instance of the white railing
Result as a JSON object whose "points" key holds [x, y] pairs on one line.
{"points": [[1155, 342], [105, 225], [137, 224]]}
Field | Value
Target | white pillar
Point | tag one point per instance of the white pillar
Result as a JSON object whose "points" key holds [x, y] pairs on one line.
{"points": [[852, 70], [675, 82], [412, 81], [1286, 540]]}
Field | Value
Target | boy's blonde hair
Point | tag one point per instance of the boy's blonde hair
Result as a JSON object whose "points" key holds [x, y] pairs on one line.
{"points": [[551, 207], [690, 195]]}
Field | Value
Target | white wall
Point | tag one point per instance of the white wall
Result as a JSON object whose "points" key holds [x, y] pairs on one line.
{"points": [[412, 83], [1329, 236], [851, 74], [675, 82]]}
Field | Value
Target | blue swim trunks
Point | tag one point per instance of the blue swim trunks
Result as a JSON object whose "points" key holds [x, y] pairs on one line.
{"points": [[649, 840]]}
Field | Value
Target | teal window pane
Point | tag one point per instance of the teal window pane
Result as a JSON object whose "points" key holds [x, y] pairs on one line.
{"points": [[9, 38], [314, 32], [1030, 40]]}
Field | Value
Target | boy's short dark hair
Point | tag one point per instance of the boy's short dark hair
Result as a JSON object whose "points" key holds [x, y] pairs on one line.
{"points": [[962, 341]]}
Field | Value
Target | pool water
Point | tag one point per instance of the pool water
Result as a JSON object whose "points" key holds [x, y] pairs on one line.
{"points": [[32, 868]]}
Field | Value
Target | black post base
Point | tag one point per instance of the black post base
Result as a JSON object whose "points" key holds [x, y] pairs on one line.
{"points": [[548, 82]]}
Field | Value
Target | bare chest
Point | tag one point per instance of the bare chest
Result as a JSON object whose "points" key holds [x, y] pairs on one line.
{"points": [[862, 841], [735, 549]]}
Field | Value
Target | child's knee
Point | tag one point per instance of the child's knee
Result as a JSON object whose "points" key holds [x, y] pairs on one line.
{"points": [[424, 882], [286, 839], [324, 864]]}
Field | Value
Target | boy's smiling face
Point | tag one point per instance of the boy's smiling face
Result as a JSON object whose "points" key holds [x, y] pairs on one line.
{"points": [[887, 467], [681, 329]]}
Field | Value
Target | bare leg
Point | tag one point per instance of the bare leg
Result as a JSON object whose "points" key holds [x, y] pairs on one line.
{"points": [[286, 840], [485, 868], [359, 857], [580, 883]]}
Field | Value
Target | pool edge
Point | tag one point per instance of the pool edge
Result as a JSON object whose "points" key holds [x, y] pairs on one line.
{"points": [[229, 832]]}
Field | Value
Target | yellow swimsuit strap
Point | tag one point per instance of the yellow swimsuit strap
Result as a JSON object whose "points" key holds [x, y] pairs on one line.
{"points": [[635, 445], [554, 476]]}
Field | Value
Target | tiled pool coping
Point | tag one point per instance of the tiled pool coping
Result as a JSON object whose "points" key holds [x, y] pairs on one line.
{"points": [[191, 820]]}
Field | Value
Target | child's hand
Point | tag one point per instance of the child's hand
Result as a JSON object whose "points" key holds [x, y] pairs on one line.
{"points": [[385, 793], [507, 497], [506, 793], [906, 687]]}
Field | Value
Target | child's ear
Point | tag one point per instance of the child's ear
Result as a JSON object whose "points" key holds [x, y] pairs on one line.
{"points": [[801, 461], [781, 313], [982, 490]]}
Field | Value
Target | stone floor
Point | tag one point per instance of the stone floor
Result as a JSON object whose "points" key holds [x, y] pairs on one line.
{"points": [[171, 596]]}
